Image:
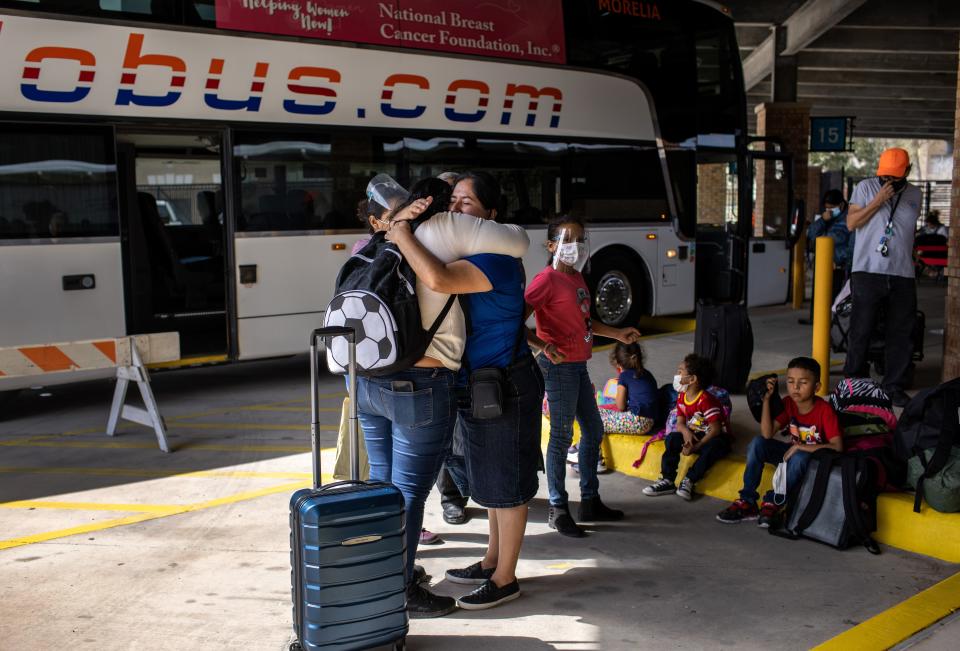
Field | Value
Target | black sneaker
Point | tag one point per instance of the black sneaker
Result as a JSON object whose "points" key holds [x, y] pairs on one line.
{"points": [[422, 604], [472, 575], [454, 514], [769, 516], [593, 510], [420, 574], [660, 487], [489, 595], [559, 518], [738, 511]]}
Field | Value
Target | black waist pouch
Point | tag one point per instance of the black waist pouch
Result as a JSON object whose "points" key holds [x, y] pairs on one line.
{"points": [[486, 393]]}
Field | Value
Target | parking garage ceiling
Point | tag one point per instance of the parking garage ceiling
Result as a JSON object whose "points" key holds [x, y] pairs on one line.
{"points": [[890, 64]]}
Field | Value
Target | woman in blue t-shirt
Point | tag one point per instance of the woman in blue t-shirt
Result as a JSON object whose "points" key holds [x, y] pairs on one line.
{"points": [[502, 453]]}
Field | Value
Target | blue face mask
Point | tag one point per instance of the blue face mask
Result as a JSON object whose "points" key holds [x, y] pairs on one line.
{"points": [[836, 211]]}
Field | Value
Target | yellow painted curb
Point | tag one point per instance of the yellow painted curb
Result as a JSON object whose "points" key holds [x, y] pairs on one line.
{"points": [[896, 624], [621, 450], [930, 532]]}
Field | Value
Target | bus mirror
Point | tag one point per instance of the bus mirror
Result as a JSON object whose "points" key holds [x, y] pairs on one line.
{"points": [[798, 222]]}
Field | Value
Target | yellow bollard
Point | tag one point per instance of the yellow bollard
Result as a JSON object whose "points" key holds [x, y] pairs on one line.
{"points": [[822, 299]]}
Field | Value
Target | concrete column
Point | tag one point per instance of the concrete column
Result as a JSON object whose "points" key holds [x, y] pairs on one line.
{"points": [[790, 123], [951, 332], [711, 193]]}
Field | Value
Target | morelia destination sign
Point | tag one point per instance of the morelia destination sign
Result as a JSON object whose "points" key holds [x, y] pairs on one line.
{"points": [[530, 30]]}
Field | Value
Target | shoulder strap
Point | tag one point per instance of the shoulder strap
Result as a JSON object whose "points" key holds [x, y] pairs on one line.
{"points": [[440, 317], [851, 502], [825, 461]]}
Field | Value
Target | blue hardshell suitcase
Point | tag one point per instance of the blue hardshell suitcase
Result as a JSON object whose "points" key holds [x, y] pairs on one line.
{"points": [[347, 549]]}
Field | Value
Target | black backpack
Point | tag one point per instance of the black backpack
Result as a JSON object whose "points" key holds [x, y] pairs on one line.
{"points": [[756, 390], [930, 421], [376, 295]]}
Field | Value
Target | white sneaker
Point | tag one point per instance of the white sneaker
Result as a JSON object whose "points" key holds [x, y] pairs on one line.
{"points": [[601, 466], [660, 487], [573, 454], [686, 489]]}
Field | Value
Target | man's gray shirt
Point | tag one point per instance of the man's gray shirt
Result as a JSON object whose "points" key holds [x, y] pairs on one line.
{"points": [[899, 261]]}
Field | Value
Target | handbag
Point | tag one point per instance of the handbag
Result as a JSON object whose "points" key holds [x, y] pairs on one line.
{"points": [[486, 386]]}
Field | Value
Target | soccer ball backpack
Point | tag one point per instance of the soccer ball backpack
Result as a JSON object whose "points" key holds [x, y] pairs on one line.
{"points": [[376, 295]]}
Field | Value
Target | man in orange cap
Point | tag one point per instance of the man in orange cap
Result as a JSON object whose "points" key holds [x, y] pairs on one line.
{"points": [[883, 213]]}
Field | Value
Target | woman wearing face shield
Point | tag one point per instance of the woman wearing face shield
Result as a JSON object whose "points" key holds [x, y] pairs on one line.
{"points": [[502, 450], [408, 417], [561, 302]]}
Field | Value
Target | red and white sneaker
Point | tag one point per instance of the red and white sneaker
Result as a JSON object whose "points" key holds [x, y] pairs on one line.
{"points": [[737, 512]]}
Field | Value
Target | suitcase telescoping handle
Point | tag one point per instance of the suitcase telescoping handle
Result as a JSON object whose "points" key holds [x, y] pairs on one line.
{"points": [[328, 334]]}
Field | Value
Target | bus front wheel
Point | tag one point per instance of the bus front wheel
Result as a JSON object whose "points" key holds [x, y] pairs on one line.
{"points": [[617, 284]]}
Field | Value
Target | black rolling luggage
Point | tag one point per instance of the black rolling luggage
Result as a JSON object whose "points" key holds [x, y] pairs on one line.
{"points": [[724, 336], [347, 548]]}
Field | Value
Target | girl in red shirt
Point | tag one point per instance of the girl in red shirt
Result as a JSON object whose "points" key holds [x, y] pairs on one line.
{"points": [[560, 299]]}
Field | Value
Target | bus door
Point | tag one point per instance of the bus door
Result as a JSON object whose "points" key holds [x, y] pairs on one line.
{"points": [[174, 245], [769, 246]]}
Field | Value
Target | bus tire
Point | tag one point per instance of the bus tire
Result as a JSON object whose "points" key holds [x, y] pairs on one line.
{"points": [[619, 287], [6, 399]]}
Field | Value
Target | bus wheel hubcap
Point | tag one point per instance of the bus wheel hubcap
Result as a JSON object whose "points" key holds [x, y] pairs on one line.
{"points": [[614, 297]]}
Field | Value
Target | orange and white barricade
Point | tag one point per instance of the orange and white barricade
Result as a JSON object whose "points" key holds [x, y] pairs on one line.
{"points": [[129, 355]]}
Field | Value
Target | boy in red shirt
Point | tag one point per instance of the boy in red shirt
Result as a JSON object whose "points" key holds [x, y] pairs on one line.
{"points": [[811, 424], [702, 429]]}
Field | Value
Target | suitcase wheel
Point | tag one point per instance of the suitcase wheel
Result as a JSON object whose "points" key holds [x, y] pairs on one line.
{"points": [[400, 644], [295, 646]]}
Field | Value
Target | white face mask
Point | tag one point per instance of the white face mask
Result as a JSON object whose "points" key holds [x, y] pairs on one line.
{"points": [[679, 388], [570, 253]]}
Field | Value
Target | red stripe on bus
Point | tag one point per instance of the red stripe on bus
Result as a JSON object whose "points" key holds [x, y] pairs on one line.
{"points": [[48, 358], [312, 90], [31, 73], [213, 84], [178, 81], [256, 87], [86, 75], [128, 78]]}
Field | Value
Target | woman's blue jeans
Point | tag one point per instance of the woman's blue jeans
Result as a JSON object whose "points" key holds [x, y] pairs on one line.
{"points": [[571, 397], [407, 420]]}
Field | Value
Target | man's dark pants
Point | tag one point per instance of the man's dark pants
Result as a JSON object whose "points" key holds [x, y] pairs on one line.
{"points": [[896, 296]]}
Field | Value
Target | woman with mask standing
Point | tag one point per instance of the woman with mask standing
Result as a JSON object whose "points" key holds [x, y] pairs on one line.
{"points": [[560, 300]]}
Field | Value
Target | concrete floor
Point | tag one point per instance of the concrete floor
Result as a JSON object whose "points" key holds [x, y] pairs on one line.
{"points": [[197, 551]]}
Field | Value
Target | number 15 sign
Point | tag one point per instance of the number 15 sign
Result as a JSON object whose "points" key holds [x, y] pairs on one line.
{"points": [[830, 134]]}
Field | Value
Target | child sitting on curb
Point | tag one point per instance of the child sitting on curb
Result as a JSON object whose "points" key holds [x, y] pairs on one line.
{"points": [[634, 408], [812, 425], [702, 428]]}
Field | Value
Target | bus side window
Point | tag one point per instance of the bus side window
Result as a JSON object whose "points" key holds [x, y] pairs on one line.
{"points": [[57, 182]]}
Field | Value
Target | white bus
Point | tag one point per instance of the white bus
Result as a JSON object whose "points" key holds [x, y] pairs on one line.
{"points": [[161, 177]]}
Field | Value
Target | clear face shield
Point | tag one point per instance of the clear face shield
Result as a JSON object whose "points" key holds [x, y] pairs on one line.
{"points": [[384, 195], [571, 251]]}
